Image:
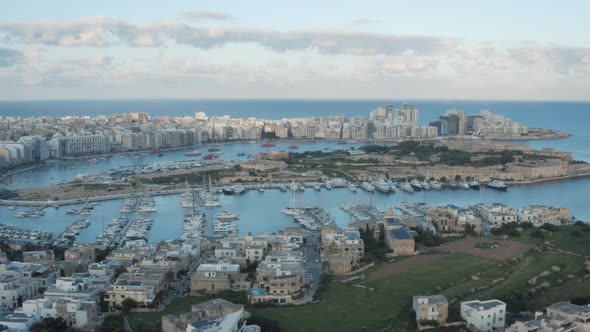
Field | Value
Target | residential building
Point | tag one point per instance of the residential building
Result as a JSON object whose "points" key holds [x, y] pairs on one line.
{"points": [[138, 291], [431, 308], [484, 315], [76, 313], [18, 322], [214, 277], [400, 241], [216, 315], [539, 215], [579, 315]]}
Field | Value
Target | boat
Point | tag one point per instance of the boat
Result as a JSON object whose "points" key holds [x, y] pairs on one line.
{"points": [[214, 149], [241, 154], [497, 184], [328, 186], [211, 156], [21, 214], [268, 145], [317, 187], [283, 188], [416, 185], [157, 150], [453, 185], [160, 154], [227, 190], [226, 216], [407, 187], [425, 185], [72, 211], [352, 188], [12, 207], [382, 186], [435, 185], [238, 190], [463, 185], [192, 154], [474, 184], [294, 147], [368, 187], [211, 203], [294, 187]]}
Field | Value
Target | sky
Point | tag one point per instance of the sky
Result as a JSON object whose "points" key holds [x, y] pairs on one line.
{"points": [[456, 50]]}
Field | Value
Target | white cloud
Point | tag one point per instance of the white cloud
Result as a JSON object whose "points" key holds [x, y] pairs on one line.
{"points": [[201, 16]]}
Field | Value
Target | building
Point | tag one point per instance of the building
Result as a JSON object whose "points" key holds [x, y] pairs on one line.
{"points": [[578, 315], [81, 254], [83, 145], [431, 308], [544, 323], [497, 214], [400, 241], [539, 215], [76, 313], [484, 315], [215, 315], [84, 288], [540, 169], [39, 257], [18, 322], [214, 277], [138, 291]]}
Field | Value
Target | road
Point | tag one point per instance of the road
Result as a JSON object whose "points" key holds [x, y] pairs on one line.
{"points": [[312, 266]]}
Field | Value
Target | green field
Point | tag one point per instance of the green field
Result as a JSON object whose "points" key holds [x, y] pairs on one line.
{"points": [[571, 238], [350, 308]]}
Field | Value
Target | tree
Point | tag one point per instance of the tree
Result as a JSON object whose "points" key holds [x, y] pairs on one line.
{"points": [[112, 323], [128, 304], [50, 324]]}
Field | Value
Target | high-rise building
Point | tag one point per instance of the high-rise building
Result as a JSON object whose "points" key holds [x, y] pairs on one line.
{"points": [[406, 114]]}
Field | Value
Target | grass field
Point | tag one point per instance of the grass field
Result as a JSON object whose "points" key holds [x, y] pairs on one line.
{"points": [[384, 303], [571, 238]]}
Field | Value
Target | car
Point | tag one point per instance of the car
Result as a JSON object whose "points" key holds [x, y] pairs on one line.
{"points": [[317, 260]]}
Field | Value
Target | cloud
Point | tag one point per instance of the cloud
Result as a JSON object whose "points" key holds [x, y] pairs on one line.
{"points": [[399, 65], [9, 57], [365, 21], [562, 59], [104, 31], [202, 16]]}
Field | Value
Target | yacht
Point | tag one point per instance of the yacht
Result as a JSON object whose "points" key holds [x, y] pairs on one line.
{"points": [[368, 187], [406, 186], [283, 188], [352, 188], [328, 186], [238, 189], [453, 185], [12, 207], [497, 184], [211, 203], [474, 184], [72, 211], [463, 185], [425, 185], [226, 216], [417, 185], [317, 187], [435, 185], [381, 185]]}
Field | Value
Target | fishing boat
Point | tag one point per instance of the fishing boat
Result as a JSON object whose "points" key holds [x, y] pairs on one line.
{"points": [[214, 149], [211, 156], [294, 147], [192, 154], [268, 145]]}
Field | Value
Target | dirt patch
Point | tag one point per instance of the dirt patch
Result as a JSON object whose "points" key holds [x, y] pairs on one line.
{"points": [[504, 250]]}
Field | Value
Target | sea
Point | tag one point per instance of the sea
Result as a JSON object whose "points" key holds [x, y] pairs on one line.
{"points": [[570, 117]]}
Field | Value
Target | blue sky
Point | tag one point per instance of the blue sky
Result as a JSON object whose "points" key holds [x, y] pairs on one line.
{"points": [[295, 49]]}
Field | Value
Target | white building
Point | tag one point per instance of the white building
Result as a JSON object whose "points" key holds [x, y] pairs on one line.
{"points": [[484, 315], [76, 313], [18, 322]]}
